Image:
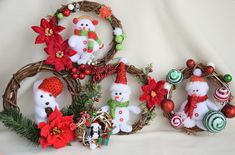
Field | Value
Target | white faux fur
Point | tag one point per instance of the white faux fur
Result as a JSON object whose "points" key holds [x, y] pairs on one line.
{"points": [[124, 60], [198, 89], [77, 43], [121, 93], [42, 100]]}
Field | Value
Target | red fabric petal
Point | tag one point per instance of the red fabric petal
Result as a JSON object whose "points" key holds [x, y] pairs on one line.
{"points": [[44, 23], [38, 29], [40, 39], [59, 28], [45, 130], [43, 142]]}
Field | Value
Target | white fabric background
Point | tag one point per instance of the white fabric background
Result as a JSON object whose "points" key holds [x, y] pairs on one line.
{"points": [[162, 32]]}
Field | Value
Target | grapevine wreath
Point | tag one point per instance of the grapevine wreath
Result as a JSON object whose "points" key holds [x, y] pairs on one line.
{"points": [[198, 113], [118, 106], [80, 47]]}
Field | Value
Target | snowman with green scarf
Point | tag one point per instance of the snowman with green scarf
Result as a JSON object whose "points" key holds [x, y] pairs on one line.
{"points": [[118, 106], [85, 40]]}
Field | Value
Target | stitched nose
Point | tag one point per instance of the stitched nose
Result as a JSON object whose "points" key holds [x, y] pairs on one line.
{"points": [[47, 103], [116, 97]]}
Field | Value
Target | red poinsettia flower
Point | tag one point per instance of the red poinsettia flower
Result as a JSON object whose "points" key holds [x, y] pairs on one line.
{"points": [[59, 55], [105, 12], [153, 93], [57, 132], [48, 31]]}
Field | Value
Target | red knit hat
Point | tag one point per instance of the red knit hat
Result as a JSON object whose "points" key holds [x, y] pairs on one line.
{"points": [[52, 85], [121, 74]]}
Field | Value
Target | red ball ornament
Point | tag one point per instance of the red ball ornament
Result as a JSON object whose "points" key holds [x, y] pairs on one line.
{"points": [[66, 12], [87, 71], [75, 76], [74, 70], [190, 63], [229, 110], [209, 70], [81, 76], [167, 105]]}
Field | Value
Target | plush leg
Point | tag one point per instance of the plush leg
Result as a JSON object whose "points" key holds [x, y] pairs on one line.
{"points": [[126, 128], [189, 123], [75, 57], [200, 125], [93, 146]]}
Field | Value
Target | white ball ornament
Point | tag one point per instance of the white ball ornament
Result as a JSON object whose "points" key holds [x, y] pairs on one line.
{"points": [[211, 64], [117, 31], [70, 6], [197, 72]]}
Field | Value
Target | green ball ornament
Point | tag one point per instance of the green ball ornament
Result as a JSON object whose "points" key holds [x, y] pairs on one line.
{"points": [[119, 47], [118, 39], [227, 78], [214, 121], [174, 76], [60, 16], [93, 113]]}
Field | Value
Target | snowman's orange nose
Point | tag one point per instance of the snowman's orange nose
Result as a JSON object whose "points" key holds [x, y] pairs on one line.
{"points": [[116, 97]]}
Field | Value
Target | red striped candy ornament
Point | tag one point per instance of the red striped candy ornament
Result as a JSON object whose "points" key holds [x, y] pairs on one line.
{"points": [[222, 94], [176, 121]]}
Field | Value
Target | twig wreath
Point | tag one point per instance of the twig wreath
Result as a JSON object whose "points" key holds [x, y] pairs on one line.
{"points": [[60, 123], [153, 93], [198, 113], [69, 54]]}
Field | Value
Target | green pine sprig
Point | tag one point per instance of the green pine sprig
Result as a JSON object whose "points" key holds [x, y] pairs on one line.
{"points": [[21, 125]]}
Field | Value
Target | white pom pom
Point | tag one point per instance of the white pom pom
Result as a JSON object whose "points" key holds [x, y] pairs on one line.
{"points": [[70, 6], [197, 72], [117, 31], [124, 60], [211, 64]]}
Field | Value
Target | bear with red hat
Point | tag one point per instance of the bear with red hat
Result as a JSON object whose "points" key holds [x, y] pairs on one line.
{"points": [[85, 40], [118, 106], [45, 93], [193, 110]]}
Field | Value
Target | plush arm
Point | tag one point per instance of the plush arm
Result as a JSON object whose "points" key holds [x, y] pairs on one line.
{"points": [[105, 108], [134, 109], [211, 105]]}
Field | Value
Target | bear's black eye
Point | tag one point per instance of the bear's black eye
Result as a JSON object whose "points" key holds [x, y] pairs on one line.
{"points": [[120, 93], [81, 24], [41, 96], [116, 93], [197, 90], [86, 24], [50, 95]]}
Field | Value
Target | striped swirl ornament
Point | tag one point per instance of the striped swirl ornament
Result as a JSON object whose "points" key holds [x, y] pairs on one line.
{"points": [[176, 121], [222, 94], [214, 121], [174, 76]]}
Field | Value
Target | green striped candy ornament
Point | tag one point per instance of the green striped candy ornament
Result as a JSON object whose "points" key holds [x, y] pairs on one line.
{"points": [[214, 121], [174, 76]]}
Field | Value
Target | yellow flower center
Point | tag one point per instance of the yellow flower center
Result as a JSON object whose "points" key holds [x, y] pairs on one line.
{"points": [[59, 54], [153, 93], [48, 32], [56, 131]]}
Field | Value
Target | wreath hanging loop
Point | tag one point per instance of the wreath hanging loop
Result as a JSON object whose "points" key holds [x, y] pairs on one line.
{"points": [[10, 94], [198, 112]]}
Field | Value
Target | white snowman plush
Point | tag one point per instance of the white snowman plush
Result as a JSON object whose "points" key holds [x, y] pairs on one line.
{"points": [[118, 106], [197, 104], [45, 92], [85, 40]]}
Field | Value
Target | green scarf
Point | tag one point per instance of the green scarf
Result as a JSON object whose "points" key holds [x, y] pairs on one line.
{"points": [[114, 104]]}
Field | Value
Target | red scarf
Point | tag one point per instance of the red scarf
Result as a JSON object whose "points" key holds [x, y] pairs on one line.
{"points": [[192, 104]]}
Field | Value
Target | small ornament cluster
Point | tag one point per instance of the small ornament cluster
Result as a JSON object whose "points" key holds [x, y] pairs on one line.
{"points": [[82, 71]]}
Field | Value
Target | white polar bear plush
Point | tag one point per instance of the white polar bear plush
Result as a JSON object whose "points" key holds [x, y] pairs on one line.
{"points": [[45, 92], [95, 134], [118, 106], [197, 104], [85, 40]]}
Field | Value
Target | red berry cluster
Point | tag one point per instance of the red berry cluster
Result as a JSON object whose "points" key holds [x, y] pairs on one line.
{"points": [[81, 71]]}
